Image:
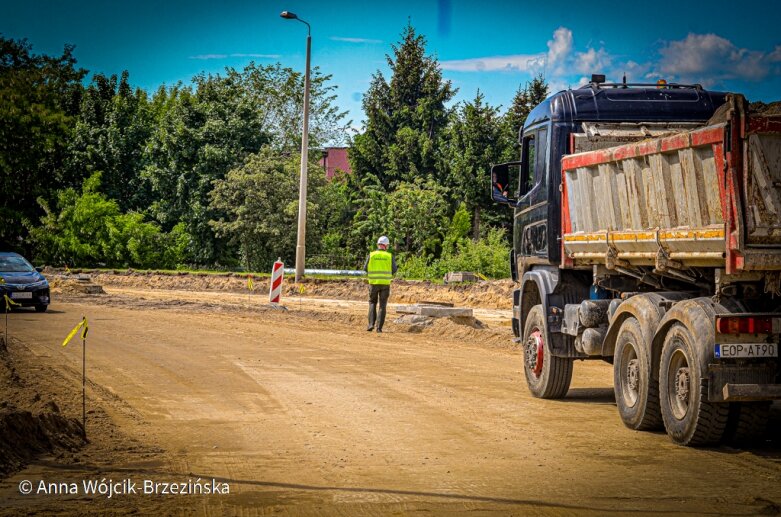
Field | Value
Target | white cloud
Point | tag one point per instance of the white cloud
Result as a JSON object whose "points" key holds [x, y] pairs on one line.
{"points": [[209, 56], [260, 56], [591, 61], [225, 56], [709, 58], [355, 40], [517, 63], [559, 49]]}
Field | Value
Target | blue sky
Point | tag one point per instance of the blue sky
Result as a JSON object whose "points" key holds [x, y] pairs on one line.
{"points": [[491, 45]]}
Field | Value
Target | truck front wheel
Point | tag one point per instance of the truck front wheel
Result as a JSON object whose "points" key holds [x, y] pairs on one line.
{"points": [[547, 376], [688, 416], [637, 393]]}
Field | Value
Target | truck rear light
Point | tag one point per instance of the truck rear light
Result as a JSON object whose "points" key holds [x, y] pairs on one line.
{"points": [[746, 325]]}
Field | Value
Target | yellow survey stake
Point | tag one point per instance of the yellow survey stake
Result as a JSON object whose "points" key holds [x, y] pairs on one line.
{"points": [[84, 329], [9, 302], [250, 285]]}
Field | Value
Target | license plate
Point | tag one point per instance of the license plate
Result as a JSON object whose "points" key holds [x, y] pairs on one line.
{"points": [[22, 296], [746, 350]]}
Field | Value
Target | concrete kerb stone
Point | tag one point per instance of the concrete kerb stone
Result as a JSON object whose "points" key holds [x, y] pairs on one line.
{"points": [[434, 311]]}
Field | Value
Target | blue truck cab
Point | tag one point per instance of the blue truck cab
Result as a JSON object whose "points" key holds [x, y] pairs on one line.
{"points": [[534, 181]]}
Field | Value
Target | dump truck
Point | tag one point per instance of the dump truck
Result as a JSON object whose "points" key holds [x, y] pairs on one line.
{"points": [[647, 234]]}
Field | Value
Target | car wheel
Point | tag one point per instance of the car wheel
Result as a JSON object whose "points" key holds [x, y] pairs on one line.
{"points": [[41, 308]]}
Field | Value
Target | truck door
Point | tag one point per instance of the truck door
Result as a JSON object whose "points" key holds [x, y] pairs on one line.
{"points": [[531, 216]]}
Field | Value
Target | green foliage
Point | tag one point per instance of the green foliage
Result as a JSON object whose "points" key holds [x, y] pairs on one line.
{"points": [[215, 165], [112, 129], [487, 256], [372, 214], [260, 200], [524, 101], [458, 229], [213, 127], [405, 117], [474, 143], [419, 215], [39, 96], [89, 229]]}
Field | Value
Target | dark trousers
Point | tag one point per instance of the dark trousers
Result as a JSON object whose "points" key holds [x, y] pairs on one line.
{"points": [[378, 293]]}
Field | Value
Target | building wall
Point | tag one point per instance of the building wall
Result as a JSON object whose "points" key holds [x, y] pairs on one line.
{"points": [[335, 158]]}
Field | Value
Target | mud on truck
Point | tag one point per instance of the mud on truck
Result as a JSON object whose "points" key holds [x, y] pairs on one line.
{"points": [[647, 233]]}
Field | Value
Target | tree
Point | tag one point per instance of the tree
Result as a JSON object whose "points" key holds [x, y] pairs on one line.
{"points": [[260, 203], [405, 117], [524, 101], [208, 129], [87, 228], [113, 127], [474, 143], [39, 97], [419, 217]]}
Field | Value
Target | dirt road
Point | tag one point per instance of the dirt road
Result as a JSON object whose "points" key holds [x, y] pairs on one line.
{"points": [[304, 412]]}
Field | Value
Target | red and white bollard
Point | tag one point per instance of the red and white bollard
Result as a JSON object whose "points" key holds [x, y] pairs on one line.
{"points": [[275, 293]]}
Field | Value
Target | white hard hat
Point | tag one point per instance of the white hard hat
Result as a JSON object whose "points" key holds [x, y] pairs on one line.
{"points": [[383, 241]]}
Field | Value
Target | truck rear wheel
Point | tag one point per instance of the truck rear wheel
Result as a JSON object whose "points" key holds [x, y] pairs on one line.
{"points": [[548, 377], [688, 416], [637, 393]]}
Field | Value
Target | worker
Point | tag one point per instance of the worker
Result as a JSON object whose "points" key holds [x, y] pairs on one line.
{"points": [[380, 268], [499, 193]]}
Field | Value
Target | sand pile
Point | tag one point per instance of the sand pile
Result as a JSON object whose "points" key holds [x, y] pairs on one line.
{"points": [[30, 423]]}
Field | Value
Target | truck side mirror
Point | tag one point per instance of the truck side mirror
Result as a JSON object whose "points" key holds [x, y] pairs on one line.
{"points": [[504, 177]]}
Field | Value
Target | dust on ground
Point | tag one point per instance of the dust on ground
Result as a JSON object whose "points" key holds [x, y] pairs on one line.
{"points": [[305, 413], [494, 294]]}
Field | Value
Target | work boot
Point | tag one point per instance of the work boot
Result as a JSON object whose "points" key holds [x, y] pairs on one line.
{"points": [[379, 331], [369, 328]]}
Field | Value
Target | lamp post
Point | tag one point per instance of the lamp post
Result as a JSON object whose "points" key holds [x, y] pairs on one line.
{"points": [[301, 242]]}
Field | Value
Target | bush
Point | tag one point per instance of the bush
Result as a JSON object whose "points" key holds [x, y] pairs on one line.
{"points": [[89, 230], [488, 256]]}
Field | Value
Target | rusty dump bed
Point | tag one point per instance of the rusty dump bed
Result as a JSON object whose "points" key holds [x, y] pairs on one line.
{"points": [[710, 197]]}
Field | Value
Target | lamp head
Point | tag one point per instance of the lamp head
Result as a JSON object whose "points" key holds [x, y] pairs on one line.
{"points": [[288, 15]]}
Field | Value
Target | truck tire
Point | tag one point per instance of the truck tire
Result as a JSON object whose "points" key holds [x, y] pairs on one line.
{"points": [[747, 422], [688, 416], [548, 377], [637, 392]]}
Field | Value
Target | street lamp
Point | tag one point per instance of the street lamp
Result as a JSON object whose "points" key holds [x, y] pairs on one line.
{"points": [[301, 243]]}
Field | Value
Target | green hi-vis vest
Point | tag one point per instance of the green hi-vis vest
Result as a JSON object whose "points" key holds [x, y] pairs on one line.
{"points": [[380, 268]]}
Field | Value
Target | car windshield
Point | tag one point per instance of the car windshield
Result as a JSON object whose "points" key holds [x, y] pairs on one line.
{"points": [[15, 265]]}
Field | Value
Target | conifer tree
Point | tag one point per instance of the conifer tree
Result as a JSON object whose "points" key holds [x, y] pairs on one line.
{"points": [[405, 117]]}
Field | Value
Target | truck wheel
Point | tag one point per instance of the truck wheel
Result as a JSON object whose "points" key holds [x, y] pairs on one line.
{"points": [[747, 422], [548, 377], [688, 417], [637, 393]]}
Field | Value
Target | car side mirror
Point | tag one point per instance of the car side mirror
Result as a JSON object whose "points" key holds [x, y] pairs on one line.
{"points": [[504, 177], [39, 269]]}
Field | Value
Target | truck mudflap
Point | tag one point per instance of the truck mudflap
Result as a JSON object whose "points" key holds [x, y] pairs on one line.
{"points": [[739, 383]]}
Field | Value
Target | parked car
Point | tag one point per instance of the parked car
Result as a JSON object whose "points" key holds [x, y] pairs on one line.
{"points": [[23, 283]]}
